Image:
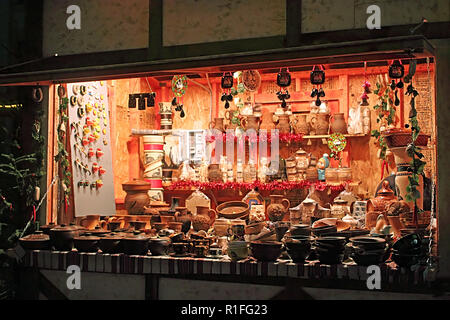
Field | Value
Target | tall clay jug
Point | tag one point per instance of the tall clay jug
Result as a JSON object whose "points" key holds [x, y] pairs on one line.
{"points": [[278, 208], [338, 125]]}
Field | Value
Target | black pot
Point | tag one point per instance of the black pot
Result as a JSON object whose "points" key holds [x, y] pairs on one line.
{"points": [[298, 251], [367, 259], [110, 244], [136, 244], [86, 243], [62, 237], [159, 246]]}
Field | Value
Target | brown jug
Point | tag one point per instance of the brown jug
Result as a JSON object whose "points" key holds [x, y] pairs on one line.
{"points": [[204, 218], [283, 123], [300, 124], [278, 208], [338, 125], [251, 122], [217, 124], [267, 122], [137, 198], [319, 124]]}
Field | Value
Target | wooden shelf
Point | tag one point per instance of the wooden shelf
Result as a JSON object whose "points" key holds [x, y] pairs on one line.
{"points": [[326, 136]]}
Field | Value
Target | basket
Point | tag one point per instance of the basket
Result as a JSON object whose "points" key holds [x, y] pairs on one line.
{"points": [[403, 138]]}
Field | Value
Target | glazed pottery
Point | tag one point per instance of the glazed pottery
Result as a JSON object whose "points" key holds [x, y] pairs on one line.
{"points": [[137, 198], [378, 204], [338, 124], [281, 227], [251, 122], [203, 219], [339, 209], [266, 251], [319, 124], [86, 243], [298, 250], [237, 250], [283, 123], [36, 241], [135, 244], [300, 124], [254, 228], [277, 208]]}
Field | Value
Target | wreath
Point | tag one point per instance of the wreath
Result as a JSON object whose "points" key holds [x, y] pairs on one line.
{"points": [[337, 143], [179, 85]]}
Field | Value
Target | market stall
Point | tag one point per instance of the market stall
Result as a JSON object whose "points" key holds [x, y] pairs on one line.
{"points": [[284, 166]]}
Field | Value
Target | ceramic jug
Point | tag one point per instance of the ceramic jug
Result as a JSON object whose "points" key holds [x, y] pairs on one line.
{"points": [[283, 123], [204, 218], [267, 122], [338, 124], [300, 124], [217, 124], [319, 124], [278, 208], [251, 122]]}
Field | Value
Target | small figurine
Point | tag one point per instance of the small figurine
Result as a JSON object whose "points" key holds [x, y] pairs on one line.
{"points": [[322, 164]]}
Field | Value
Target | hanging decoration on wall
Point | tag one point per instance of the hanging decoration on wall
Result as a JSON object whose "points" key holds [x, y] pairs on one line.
{"points": [[179, 87], [143, 100], [396, 71], [251, 80], [317, 79], [226, 84], [366, 86], [283, 81], [337, 143]]}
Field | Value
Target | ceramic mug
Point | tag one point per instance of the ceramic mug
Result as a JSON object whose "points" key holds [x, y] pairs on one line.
{"points": [[92, 221]]}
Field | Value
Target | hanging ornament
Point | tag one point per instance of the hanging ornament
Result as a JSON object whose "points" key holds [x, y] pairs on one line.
{"points": [[396, 70], [73, 101], [90, 152], [251, 80], [366, 86], [337, 143], [151, 99], [61, 91], [179, 87], [37, 94], [95, 167], [317, 78], [283, 81], [141, 102], [99, 153], [101, 171], [226, 84], [131, 101]]}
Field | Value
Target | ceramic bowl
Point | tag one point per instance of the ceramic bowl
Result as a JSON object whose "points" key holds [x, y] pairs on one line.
{"points": [[368, 243], [233, 209], [266, 251], [254, 228], [367, 259], [237, 250], [321, 231], [297, 250], [300, 230]]}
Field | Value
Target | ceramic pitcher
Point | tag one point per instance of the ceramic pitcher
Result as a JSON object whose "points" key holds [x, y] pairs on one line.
{"points": [[300, 124], [338, 125], [251, 122], [204, 218], [278, 207], [283, 123], [319, 124]]}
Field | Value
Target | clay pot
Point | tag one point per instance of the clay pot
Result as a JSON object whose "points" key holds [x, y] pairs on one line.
{"points": [[222, 227], [237, 250], [278, 208], [319, 124], [399, 137], [62, 237], [300, 124], [175, 226], [204, 218], [167, 219], [214, 173], [46, 228], [218, 124], [138, 225], [159, 246], [233, 210], [110, 244], [36, 241], [338, 124], [283, 123], [86, 243], [136, 244], [137, 198]]}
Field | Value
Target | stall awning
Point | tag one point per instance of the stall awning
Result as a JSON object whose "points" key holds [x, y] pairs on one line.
{"points": [[134, 63]]}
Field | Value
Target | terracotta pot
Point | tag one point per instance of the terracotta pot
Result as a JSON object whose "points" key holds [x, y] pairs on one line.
{"points": [[138, 225], [278, 208], [137, 198], [233, 210], [300, 124], [167, 219], [338, 124], [251, 122], [218, 124], [175, 226], [283, 123], [319, 124], [204, 218]]}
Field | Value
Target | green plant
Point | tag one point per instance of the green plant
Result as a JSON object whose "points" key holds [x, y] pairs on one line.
{"points": [[62, 157], [385, 117], [417, 165]]}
